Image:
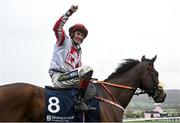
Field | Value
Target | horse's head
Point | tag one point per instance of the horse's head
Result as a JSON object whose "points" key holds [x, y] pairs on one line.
{"points": [[149, 80]]}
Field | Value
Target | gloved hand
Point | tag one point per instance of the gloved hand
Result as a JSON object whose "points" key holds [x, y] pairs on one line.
{"points": [[72, 10]]}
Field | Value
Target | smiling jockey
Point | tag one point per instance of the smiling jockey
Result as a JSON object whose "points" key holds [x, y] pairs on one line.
{"points": [[65, 68]]}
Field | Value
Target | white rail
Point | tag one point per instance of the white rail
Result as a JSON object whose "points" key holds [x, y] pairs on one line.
{"points": [[166, 119]]}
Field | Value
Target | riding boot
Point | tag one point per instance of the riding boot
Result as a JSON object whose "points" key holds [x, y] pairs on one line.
{"points": [[80, 105]]}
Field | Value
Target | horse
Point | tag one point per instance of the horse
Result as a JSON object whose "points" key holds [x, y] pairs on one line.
{"points": [[25, 102]]}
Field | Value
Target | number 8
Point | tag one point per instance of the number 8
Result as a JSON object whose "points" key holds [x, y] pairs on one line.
{"points": [[51, 104]]}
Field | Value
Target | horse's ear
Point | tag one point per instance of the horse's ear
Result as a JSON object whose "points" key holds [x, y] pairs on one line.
{"points": [[153, 59], [143, 58]]}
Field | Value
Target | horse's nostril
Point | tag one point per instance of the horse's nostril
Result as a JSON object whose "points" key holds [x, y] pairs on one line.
{"points": [[161, 97]]}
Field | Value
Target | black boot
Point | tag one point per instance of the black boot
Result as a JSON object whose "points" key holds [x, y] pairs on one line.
{"points": [[80, 105]]}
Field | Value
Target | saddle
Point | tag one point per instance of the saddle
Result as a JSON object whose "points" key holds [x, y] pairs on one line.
{"points": [[90, 92], [60, 105]]}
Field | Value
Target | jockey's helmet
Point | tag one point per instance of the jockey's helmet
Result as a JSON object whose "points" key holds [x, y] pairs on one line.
{"points": [[78, 27]]}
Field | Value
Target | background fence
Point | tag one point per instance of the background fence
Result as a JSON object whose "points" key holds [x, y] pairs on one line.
{"points": [[164, 119]]}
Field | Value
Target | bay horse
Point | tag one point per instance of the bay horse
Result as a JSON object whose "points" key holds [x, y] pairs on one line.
{"points": [[26, 102]]}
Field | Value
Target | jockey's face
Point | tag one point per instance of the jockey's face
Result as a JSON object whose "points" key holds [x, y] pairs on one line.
{"points": [[78, 37]]}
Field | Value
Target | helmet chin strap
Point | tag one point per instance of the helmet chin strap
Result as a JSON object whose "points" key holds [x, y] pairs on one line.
{"points": [[75, 42], [77, 45]]}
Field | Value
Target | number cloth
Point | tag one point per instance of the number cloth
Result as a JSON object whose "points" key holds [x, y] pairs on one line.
{"points": [[60, 107]]}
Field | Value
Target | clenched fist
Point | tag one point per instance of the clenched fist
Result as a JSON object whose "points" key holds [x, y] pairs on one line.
{"points": [[74, 8]]}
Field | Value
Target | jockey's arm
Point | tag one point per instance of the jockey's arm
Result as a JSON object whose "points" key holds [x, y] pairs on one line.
{"points": [[58, 27]]}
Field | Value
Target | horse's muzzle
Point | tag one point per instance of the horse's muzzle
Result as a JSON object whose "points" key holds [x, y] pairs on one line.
{"points": [[159, 96]]}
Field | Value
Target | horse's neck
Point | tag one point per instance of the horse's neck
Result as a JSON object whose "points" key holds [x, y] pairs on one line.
{"points": [[130, 79]]}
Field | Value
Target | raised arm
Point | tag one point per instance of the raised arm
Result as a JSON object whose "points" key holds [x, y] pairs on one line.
{"points": [[58, 27]]}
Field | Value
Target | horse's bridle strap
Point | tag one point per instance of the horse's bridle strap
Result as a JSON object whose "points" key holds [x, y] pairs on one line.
{"points": [[115, 85], [110, 102]]}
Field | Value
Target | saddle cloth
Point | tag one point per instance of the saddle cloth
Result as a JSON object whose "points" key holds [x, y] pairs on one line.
{"points": [[60, 106]]}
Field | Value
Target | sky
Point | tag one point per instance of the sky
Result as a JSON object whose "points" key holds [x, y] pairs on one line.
{"points": [[118, 29]]}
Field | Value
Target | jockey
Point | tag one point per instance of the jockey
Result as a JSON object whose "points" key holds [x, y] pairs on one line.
{"points": [[65, 68]]}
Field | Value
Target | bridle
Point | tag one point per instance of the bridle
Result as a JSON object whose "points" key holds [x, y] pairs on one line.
{"points": [[112, 102], [151, 92]]}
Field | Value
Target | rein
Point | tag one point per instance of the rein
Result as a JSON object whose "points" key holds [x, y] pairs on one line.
{"points": [[114, 85], [103, 84]]}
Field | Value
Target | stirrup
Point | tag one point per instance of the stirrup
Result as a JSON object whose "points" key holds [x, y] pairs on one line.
{"points": [[82, 106]]}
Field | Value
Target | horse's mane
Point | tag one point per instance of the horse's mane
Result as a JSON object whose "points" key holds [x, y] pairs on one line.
{"points": [[124, 67]]}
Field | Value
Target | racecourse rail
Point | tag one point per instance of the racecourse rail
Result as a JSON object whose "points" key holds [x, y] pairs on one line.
{"points": [[164, 119]]}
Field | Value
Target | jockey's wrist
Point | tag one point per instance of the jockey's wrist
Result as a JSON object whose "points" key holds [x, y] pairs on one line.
{"points": [[69, 12]]}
